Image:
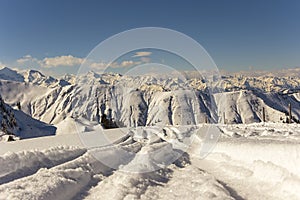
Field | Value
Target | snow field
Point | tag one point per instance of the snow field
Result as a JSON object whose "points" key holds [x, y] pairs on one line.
{"points": [[269, 167], [152, 165]]}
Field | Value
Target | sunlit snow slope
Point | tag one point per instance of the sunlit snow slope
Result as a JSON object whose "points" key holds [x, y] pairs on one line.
{"points": [[151, 100]]}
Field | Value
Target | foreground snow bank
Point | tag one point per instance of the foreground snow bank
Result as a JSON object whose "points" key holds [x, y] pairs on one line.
{"points": [[256, 158], [273, 167], [189, 183], [16, 165], [47, 184], [61, 182], [258, 161], [173, 182]]}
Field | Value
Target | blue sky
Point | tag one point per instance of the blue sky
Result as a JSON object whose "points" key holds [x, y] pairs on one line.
{"points": [[262, 34]]}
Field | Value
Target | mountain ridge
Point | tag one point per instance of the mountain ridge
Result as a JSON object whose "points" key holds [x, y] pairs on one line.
{"points": [[149, 100]]}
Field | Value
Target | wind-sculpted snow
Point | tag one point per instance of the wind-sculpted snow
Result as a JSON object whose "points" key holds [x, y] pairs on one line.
{"points": [[255, 161], [88, 178], [170, 183], [17, 165], [182, 186], [61, 184], [261, 159]]}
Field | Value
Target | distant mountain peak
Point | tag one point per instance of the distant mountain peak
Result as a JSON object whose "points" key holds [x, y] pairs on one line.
{"points": [[10, 75], [30, 76], [93, 74]]}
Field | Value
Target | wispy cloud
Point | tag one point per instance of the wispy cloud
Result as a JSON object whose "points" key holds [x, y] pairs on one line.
{"points": [[115, 65], [28, 59], [142, 54], [50, 62], [97, 65], [71, 63], [129, 63]]}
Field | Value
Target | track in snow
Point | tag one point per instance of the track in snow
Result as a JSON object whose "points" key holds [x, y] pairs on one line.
{"points": [[244, 167]]}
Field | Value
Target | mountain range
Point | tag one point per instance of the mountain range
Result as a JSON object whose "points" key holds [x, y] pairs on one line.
{"points": [[151, 100]]}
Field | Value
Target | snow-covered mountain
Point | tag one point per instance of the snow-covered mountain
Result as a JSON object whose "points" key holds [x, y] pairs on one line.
{"points": [[9, 74], [288, 72], [249, 161], [152, 100], [15, 124], [31, 77]]}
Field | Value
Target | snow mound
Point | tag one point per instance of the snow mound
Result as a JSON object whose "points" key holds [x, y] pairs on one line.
{"points": [[28, 162], [61, 184]]}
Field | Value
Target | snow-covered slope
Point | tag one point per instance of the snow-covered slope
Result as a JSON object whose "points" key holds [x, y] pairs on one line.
{"points": [[36, 77], [255, 161], [154, 100], [246, 106], [16, 124], [9, 74]]}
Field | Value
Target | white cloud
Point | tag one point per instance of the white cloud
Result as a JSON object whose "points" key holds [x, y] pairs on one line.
{"points": [[142, 54], [98, 65], [103, 65], [49, 62], [70, 61], [129, 63], [28, 59], [57, 61]]}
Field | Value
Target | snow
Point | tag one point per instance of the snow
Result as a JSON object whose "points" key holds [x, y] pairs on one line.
{"points": [[150, 100], [8, 74], [161, 184], [30, 127], [266, 162], [28, 162], [61, 184], [30, 77], [151, 165], [166, 151], [202, 186], [15, 124]]}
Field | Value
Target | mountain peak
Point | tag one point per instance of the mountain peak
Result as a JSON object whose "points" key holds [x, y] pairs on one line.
{"points": [[10, 75], [93, 74]]}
